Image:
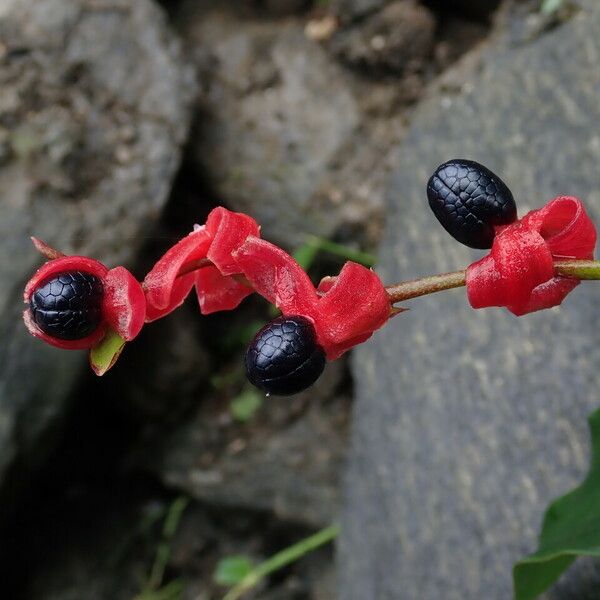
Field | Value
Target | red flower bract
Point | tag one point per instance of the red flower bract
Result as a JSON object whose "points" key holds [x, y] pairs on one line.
{"points": [[123, 302], [217, 287], [518, 273], [344, 314]]}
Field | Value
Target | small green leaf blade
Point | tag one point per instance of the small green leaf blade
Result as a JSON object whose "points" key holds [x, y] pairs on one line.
{"points": [[571, 528], [232, 569], [551, 6], [305, 255], [105, 354], [244, 406]]}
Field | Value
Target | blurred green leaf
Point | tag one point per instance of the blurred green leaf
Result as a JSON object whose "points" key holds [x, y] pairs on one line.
{"points": [[171, 591], [305, 255], [174, 589], [278, 561], [105, 354], [345, 252], [244, 406], [551, 6], [571, 528], [232, 569], [221, 381]]}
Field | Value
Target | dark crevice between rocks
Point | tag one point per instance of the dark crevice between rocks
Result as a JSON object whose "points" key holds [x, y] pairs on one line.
{"points": [[256, 8], [476, 10], [94, 492]]}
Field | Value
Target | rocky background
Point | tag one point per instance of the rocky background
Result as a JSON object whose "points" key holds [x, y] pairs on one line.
{"points": [[122, 123]]}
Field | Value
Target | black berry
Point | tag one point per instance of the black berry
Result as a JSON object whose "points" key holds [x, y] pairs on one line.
{"points": [[68, 305], [468, 200], [284, 357]]}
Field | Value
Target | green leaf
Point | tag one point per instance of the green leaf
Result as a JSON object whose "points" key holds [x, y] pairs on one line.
{"points": [[571, 528], [281, 559], [551, 6], [105, 354], [171, 591], [305, 255], [232, 569], [345, 252], [244, 406]]}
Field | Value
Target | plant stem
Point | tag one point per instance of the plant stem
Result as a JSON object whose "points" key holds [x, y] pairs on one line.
{"points": [[405, 290], [414, 288], [578, 269], [282, 559], [163, 552]]}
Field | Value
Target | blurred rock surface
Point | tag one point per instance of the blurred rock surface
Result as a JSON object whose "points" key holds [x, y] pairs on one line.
{"points": [[281, 130], [286, 461], [275, 113], [468, 423], [398, 39], [93, 111]]}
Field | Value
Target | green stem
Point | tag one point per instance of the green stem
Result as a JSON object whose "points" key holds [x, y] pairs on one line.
{"points": [[163, 552], [282, 559], [406, 290], [578, 269], [414, 288]]}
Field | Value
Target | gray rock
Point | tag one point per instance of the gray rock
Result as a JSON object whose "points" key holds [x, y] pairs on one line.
{"points": [[286, 461], [468, 423], [93, 111], [278, 121], [348, 10], [396, 40]]}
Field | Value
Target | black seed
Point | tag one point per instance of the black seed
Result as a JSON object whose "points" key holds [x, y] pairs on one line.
{"points": [[68, 305], [468, 200], [284, 357]]}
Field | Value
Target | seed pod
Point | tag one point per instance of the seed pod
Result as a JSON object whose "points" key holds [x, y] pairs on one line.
{"points": [[469, 200], [284, 357], [68, 305]]}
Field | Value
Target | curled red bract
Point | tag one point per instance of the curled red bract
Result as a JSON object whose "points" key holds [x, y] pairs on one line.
{"points": [[518, 273], [167, 285], [344, 314], [123, 301]]}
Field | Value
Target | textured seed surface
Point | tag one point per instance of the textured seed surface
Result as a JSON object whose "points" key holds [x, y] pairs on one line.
{"points": [[468, 200], [68, 305], [284, 357]]}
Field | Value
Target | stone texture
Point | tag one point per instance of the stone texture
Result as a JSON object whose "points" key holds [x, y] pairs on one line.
{"points": [[348, 10], [396, 40], [278, 122], [94, 108], [468, 423], [286, 461]]}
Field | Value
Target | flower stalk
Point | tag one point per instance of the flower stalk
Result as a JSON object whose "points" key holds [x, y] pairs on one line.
{"points": [[423, 286]]}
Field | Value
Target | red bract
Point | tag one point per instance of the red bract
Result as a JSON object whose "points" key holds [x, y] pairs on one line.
{"points": [[168, 284], [518, 273], [344, 313], [123, 302]]}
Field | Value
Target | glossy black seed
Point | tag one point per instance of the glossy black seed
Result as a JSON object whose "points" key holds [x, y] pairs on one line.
{"points": [[468, 200], [284, 357], [68, 305]]}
